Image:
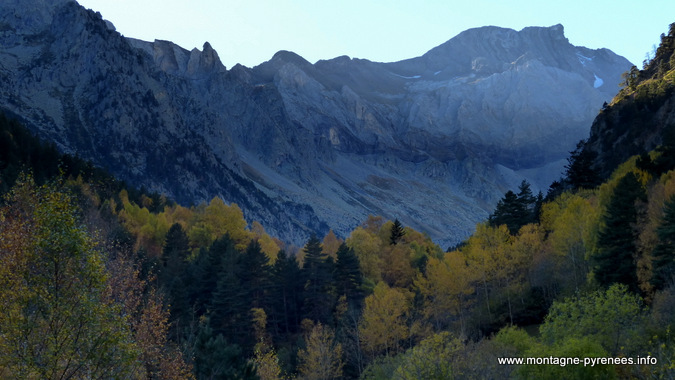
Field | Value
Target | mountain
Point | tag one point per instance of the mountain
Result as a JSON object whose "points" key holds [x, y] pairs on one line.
{"points": [[433, 141]]}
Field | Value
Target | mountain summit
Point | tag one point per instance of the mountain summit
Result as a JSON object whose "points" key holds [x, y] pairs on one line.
{"points": [[433, 140]]}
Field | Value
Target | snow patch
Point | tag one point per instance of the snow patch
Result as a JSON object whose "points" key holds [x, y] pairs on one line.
{"points": [[413, 77], [583, 59], [598, 81], [437, 72]]}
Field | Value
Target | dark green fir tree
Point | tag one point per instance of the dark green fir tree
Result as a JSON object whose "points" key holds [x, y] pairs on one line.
{"points": [[208, 268], [579, 168], [286, 294], [174, 275], [397, 232], [509, 211], [317, 272], [216, 358], [615, 260], [663, 256], [348, 277]]}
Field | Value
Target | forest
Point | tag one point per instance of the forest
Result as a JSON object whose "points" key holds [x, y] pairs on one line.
{"points": [[101, 280]]}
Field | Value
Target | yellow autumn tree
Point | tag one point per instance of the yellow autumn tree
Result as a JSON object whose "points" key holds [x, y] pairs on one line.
{"points": [[215, 219], [384, 322], [484, 251], [572, 222], [148, 228], [55, 320], [321, 359], [396, 269], [331, 244], [265, 358], [513, 265], [267, 244], [446, 286], [367, 247]]}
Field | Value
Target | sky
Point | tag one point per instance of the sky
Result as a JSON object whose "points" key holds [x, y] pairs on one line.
{"points": [[251, 31]]}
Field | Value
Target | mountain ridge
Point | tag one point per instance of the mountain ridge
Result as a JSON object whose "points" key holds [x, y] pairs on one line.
{"points": [[322, 145]]}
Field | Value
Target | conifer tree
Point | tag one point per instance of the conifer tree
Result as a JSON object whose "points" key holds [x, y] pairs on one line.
{"points": [[397, 232], [614, 260], [209, 265], [216, 358], [517, 210], [287, 288], [174, 276], [243, 284], [663, 263], [579, 168], [525, 196], [509, 211], [255, 274], [317, 272], [538, 203], [175, 252], [348, 278], [229, 311]]}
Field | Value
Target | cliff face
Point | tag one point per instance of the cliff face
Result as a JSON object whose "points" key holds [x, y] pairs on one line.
{"points": [[641, 113], [301, 147]]}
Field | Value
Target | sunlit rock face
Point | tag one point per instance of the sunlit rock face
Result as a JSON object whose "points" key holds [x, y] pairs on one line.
{"points": [[433, 141]]}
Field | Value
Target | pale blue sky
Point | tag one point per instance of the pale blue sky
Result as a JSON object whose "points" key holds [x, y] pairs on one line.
{"points": [[251, 31]]}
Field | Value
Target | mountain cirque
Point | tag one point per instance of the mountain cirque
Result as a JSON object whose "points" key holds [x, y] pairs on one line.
{"points": [[433, 141]]}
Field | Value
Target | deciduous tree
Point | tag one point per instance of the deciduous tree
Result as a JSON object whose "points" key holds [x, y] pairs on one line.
{"points": [[384, 323], [56, 322], [322, 357]]}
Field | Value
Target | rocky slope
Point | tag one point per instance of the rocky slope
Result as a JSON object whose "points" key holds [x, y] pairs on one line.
{"points": [[301, 147], [640, 116]]}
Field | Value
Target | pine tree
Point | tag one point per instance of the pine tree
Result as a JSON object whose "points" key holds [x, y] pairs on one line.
{"points": [[348, 283], [527, 204], [663, 263], [615, 261], [286, 289], [348, 277], [525, 196], [509, 211], [215, 358], [317, 272], [516, 210], [255, 274], [174, 276], [243, 284], [208, 267], [579, 168], [175, 252], [229, 309], [397, 232], [538, 203]]}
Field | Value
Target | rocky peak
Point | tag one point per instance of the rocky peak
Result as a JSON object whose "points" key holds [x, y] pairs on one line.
{"points": [[204, 62], [175, 60], [495, 47]]}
